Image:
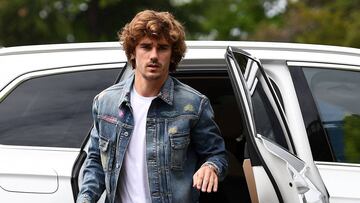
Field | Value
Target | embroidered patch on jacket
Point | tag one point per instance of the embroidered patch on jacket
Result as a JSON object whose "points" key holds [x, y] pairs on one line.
{"points": [[188, 108], [109, 119], [172, 130], [121, 113]]}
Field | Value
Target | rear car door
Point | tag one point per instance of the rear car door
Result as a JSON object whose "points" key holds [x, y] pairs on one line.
{"points": [[45, 116], [273, 172], [329, 96]]}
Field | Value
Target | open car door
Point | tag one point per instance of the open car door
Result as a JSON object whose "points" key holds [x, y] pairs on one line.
{"points": [[273, 172]]}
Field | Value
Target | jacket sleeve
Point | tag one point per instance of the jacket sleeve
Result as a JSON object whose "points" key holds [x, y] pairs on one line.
{"points": [[208, 141], [93, 183]]}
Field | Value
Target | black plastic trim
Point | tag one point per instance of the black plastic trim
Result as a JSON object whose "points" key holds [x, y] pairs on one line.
{"points": [[75, 173]]}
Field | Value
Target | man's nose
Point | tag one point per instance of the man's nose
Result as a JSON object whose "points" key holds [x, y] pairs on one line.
{"points": [[154, 53]]}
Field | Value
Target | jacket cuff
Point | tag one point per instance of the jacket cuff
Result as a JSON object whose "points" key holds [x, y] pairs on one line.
{"points": [[84, 198], [213, 166]]}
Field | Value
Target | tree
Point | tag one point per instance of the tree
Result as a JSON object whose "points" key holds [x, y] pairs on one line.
{"points": [[25, 22], [352, 140], [334, 23], [223, 20], [35, 22], [308, 21]]}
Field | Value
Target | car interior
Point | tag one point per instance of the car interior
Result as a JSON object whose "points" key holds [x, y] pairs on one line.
{"points": [[217, 87]]}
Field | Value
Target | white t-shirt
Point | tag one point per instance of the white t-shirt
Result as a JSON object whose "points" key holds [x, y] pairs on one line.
{"points": [[133, 186]]}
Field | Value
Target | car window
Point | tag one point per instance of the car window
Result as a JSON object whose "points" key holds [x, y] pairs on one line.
{"points": [[53, 110], [266, 121], [337, 96]]}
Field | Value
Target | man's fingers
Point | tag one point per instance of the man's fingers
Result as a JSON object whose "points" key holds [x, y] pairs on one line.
{"points": [[206, 179], [198, 179], [211, 183], [216, 182]]}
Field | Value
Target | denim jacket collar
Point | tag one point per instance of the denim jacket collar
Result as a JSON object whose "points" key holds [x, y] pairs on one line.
{"points": [[166, 93]]}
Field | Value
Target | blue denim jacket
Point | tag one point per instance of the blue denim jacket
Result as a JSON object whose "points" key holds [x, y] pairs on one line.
{"points": [[180, 136]]}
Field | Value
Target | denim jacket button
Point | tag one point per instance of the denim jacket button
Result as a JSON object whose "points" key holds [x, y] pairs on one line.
{"points": [[126, 134]]}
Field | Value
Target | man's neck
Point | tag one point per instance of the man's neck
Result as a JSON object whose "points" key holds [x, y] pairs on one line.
{"points": [[148, 88]]}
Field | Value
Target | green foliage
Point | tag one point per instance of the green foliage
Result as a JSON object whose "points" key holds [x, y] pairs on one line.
{"points": [[225, 20], [352, 138], [321, 22], [58, 21], [35, 22], [25, 22]]}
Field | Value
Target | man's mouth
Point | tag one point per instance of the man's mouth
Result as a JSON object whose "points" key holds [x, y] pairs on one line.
{"points": [[153, 65]]}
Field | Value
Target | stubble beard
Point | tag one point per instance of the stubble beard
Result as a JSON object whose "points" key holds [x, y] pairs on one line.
{"points": [[153, 77]]}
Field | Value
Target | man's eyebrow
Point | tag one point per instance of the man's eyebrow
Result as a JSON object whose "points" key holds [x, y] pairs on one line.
{"points": [[145, 43], [164, 44]]}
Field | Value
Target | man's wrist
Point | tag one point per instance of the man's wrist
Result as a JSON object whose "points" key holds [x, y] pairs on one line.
{"points": [[212, 166]]}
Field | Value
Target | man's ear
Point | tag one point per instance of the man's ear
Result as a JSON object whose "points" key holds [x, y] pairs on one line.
{"points": [[132, 56], [132, 61]]}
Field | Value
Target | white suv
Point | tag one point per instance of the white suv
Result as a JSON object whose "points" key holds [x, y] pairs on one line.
{"points": [[288, 113]]}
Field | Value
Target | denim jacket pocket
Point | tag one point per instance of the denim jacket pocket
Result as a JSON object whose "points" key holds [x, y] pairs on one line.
{"points": [[179, 144], [105, 153]]}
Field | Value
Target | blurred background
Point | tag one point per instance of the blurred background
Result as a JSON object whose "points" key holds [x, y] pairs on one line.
{"points": [[335, 22]]}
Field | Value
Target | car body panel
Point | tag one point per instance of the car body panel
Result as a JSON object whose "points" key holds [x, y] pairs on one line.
{"points": [[339, 180], [35, 174], [45, 58]]}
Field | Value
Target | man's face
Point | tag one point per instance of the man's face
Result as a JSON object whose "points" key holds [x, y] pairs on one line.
{"points": [[152, 59]]}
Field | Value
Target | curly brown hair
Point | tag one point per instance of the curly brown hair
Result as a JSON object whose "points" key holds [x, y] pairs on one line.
{"points": [[156, 25]]}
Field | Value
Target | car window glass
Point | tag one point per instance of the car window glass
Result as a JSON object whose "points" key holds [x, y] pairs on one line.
{"points": [[337, 95], [266, 121], [53, 110]]}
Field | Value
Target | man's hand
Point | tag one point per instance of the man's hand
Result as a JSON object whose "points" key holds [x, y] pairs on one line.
{"points": [[206, 179]]}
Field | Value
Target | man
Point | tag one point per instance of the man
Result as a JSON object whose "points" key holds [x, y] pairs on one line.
{"points": [[154, 138]]}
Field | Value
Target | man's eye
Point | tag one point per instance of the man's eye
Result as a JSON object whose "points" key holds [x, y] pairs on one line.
{"points": [[147, 47], [163, 47]]}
